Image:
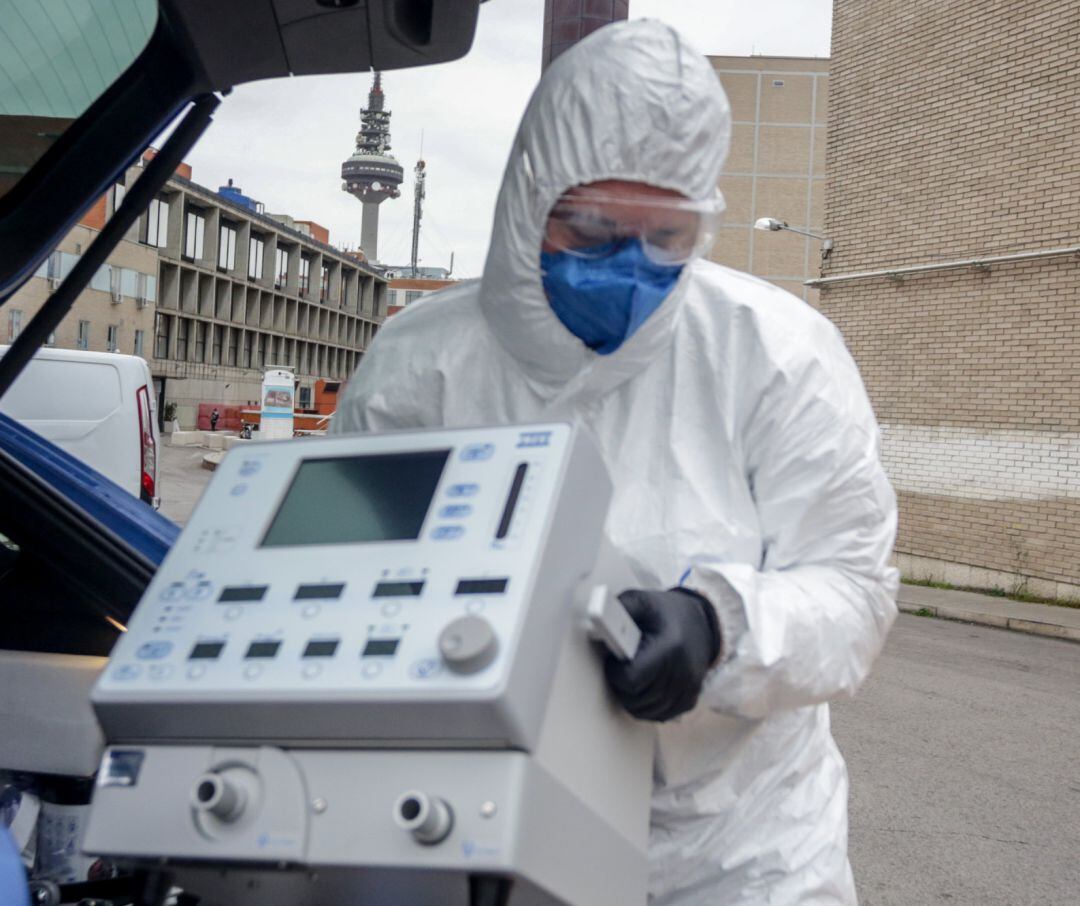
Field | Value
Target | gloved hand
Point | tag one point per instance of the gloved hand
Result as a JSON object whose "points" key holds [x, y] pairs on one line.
{"points": [[680, 640]]}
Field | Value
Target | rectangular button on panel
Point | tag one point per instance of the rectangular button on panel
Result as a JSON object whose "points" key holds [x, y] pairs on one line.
{"points": [[380, 647], [481, 586], [398, 590], [321, 648], [206, 651], [318, 592], [263, 649], [236, 593]]}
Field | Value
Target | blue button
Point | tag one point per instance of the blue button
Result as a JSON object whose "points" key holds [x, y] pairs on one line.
{"points": [[173, 592], [238, 489], [249, 467], [462, 490], [455, 511], [153, 651], [447, 532], [477, 452], [127, 672]]}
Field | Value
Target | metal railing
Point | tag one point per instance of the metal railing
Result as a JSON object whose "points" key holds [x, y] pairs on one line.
{"points": [[897, 273]]}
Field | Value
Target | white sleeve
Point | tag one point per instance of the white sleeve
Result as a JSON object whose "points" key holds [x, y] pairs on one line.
{"points": [[806, 626]]}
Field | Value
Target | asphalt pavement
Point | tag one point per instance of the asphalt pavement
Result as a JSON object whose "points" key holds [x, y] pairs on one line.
{"points": [[181, 480], [964, 754]]}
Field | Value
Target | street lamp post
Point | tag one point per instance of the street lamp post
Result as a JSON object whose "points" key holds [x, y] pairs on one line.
{"points": [[772, 224]]}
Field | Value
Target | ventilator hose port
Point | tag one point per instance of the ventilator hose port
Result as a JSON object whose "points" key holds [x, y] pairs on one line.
{"points": [[428, 818], [217, 796]]}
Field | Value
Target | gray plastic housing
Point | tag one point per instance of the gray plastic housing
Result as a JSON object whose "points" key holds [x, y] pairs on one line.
{"points": [[500, 707]]}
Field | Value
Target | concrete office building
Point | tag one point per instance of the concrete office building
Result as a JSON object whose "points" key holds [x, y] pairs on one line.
{"points": [[210, 291], [115, 313], [952, 146], [776, 167]]}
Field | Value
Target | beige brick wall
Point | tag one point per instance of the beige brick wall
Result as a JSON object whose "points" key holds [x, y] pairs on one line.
{"points": [[952, 137], [94, 306], [776, 166]]}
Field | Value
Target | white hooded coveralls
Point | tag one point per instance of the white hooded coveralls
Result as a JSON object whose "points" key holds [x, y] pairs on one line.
{"points": [[743, 452]]}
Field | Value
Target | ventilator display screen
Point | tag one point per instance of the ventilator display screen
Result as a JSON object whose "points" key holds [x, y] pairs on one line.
{"points": [[356, 499]]}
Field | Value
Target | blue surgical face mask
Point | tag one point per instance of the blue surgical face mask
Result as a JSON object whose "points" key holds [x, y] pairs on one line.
{"points": [[603, 300]]}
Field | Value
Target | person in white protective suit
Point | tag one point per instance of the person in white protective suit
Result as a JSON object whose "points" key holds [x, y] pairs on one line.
{"points": [[744, 453]]}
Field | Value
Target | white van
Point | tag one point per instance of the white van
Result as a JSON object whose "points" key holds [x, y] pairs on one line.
{"points": [[98, 406]]}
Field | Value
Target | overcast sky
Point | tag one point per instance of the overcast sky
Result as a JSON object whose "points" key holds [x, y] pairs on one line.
{"points": [[282, 141]]}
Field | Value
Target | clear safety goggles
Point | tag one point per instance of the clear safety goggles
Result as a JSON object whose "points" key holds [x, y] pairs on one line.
{"points": [[671, 230]]}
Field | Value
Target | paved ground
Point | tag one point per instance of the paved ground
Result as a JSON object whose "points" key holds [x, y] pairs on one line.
{"points": [[964, 752], [182, 480]]}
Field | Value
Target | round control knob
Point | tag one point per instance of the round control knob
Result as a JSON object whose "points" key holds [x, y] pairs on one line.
{"points": [[468, 644], [219, 797], [428, 818]]}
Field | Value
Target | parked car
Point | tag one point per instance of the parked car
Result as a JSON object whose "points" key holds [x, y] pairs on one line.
{"points": [[99, 407]]}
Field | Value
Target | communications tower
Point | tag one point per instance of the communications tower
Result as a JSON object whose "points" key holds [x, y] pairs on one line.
{"points": [[418, 212], [372, 174]]}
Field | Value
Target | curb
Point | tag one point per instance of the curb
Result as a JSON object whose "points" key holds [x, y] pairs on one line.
{"points": [[1032, 627]]}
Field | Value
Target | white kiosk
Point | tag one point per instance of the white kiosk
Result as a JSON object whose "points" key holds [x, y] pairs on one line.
{"points": [[276, 407], [362, 676]]}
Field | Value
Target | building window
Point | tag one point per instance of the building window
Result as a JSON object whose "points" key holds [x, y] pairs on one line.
{"points": [[145, 288], [51, 341], [215, 346], [183, 328], [324, 283], [226, 256], [138, 348], [305, 274], [281, 268], [247, 348], [234, 342], [261, 360], [255, 258], [156, 229], [83, 341], [305, 398], [162, 326], [112, 338], [14, 324], [200, 341], [194, 233], [412, 295], [118, 192]]}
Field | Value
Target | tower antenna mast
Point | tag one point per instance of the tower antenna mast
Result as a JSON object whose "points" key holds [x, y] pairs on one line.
{"points": [[418, 211]]}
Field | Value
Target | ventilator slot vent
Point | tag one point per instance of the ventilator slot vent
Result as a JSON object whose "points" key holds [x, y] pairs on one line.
{"points": [[511, 501]]}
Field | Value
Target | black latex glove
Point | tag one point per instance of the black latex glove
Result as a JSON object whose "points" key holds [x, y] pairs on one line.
{"points": [[680, 639]]}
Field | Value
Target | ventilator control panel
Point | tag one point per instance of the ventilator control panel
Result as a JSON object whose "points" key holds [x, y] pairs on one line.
{"points": [[370, 566]]}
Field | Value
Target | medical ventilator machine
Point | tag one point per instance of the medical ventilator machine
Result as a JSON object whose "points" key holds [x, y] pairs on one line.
{"points": [[364, 675]]}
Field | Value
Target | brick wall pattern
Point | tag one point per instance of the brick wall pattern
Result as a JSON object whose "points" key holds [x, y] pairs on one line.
{"points": [[775, 168], [953, 129]]}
